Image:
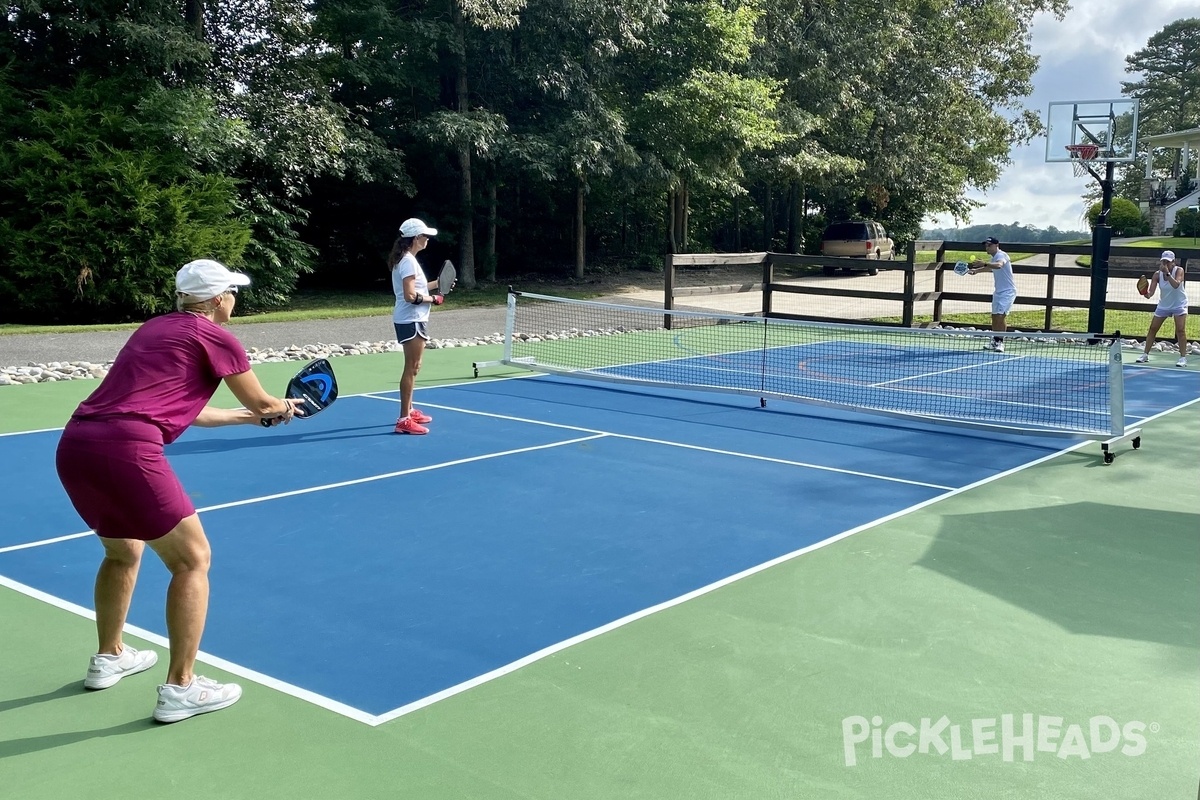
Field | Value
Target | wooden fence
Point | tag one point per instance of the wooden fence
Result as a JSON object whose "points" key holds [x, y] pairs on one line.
{"points": [[1125, 263]]}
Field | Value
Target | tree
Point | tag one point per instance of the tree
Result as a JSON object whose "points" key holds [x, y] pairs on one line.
{"points": [[1168, 92], [98, 208], [698, 113]]}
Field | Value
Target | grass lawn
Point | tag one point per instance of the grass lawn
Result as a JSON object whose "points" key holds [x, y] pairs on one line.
{"points": [[1131, 324], [1161, 243]]}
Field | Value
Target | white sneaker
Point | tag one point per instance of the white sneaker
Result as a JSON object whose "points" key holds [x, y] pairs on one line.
{"points": [[1142, 359], [105, 670], [1181, 362], [994, 346], [201, 696]]}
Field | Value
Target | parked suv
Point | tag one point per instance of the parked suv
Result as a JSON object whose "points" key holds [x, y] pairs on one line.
{"points": [[860, 238]]}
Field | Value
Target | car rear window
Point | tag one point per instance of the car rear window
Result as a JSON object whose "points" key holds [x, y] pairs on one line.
{"points": [[847, 230]]}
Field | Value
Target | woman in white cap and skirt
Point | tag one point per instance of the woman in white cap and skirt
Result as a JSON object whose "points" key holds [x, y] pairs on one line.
{"points": [[414, 296], [110, 460], [1172, 303]]}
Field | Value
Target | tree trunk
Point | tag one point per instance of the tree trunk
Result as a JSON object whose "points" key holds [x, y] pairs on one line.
{"points": [[466, 240], [737, 224], [580, 231], [768, 222], [491, 233], [677, 212], [193, 17], [672, 242], [795, 220], [802, 215], [685, 202]]}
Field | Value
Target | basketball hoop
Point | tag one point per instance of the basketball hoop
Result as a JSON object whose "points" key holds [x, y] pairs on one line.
{"points": [[1082, 156]]}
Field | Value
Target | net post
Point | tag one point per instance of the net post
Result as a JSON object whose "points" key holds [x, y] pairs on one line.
{"points": [[668, 287], [1116, 387], [510, 319]]}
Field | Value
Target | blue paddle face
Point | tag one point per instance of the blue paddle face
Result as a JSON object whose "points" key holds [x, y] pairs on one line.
{"points": [[961, 268], [320, 387], [315, 384]]}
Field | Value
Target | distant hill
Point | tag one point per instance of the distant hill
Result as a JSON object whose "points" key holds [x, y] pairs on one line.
{"points": [[1005, 233]]}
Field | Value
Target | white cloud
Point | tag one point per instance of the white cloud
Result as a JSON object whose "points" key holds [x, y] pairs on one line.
{"points": [[1081, 58]]}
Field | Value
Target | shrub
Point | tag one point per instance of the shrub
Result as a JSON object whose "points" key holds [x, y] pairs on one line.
{"points": [[99, 206], [1124, 217]]}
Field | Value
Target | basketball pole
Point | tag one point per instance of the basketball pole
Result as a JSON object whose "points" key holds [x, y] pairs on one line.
{"points": [[1101, 243]]}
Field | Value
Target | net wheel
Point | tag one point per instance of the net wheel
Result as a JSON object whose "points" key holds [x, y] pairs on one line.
{"points": [[1108, 457], [1137, 442]]}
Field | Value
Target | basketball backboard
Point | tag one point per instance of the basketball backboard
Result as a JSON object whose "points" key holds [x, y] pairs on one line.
{"points": [[1109, 124]]}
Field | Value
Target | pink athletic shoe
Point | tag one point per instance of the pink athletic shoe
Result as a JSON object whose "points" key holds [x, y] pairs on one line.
{"points": [[410, 425]]}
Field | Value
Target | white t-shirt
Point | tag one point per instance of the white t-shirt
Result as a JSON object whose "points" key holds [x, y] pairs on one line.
{"points": [[1004, 275], [406, 311]]}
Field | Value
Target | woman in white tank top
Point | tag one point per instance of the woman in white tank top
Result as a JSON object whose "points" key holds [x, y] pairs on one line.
{"points": [[1172, 302]]}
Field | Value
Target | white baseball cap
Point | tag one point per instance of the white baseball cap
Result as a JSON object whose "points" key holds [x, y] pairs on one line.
{"points": [[414, 227], [205, 279], [1168, 255]]}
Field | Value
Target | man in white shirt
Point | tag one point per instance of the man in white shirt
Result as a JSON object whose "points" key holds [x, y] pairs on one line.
{"points": [[1005, 291]]}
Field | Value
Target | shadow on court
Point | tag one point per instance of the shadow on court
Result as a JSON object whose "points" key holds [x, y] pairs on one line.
{"points": [[1091, 568], [33, 744], [66, 690], [224, 445]]}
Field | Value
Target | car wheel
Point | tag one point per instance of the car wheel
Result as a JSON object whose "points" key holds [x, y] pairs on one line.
{"points": [[872, 271]]}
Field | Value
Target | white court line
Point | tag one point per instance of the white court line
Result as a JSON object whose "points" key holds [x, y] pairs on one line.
{"points": [[22, 433], [637, 615], [337, 485], [374, 720], [682, 445], [220, 663]]}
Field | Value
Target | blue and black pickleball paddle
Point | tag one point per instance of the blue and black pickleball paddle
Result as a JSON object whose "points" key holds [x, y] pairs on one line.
{"points": [[316, 385]]}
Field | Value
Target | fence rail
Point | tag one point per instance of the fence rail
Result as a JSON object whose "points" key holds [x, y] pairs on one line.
{"points": [[788, 279]]}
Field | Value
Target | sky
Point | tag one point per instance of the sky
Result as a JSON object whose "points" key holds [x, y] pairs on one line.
{"points": [[1080, 58]]}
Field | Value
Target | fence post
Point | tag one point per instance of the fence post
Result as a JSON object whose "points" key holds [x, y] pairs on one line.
{"points": [[668, 287], [939, 282], [768, 275], [1049, 319], [910, 287]]}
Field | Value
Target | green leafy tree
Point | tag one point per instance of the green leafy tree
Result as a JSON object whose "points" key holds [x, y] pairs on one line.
{"points": [[1187, 223], [1168, 91], [919, 106], [701, 111], [98, 209]]}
